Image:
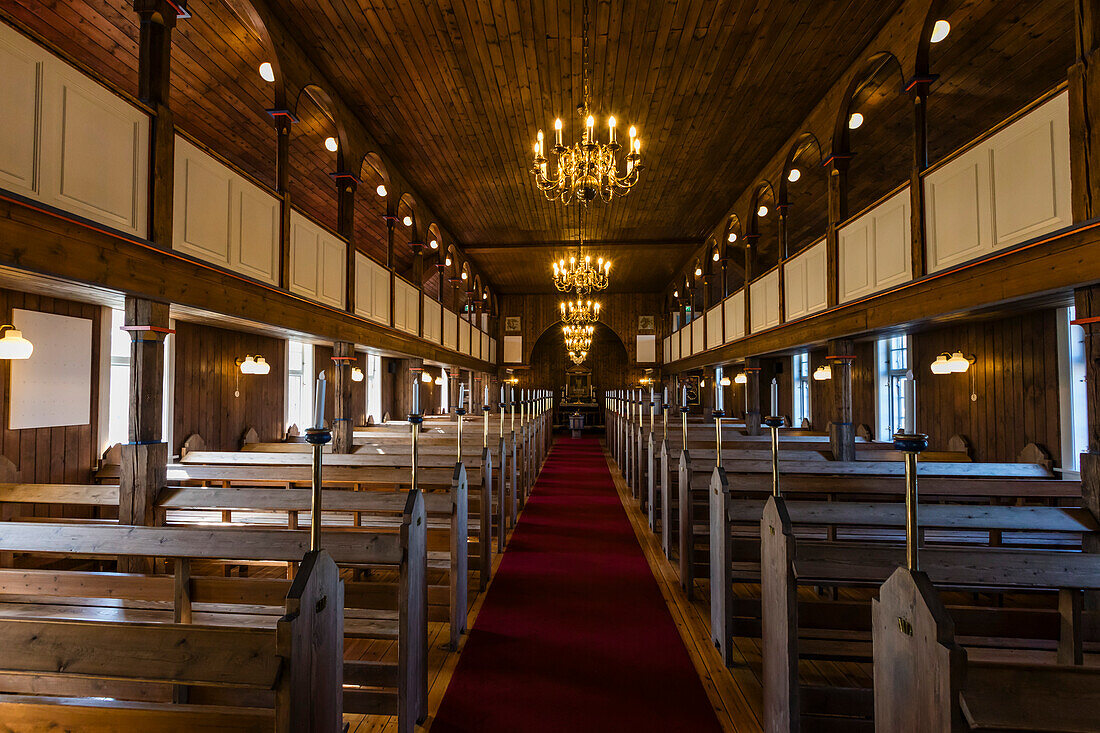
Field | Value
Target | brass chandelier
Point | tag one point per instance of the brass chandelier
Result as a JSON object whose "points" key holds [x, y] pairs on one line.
{"points": [[581, 277], [588, 168], [579, 312], [578, 338], [578, 356]]}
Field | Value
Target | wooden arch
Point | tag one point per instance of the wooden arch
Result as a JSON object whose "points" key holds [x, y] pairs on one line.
{"points": [[869, 70]]}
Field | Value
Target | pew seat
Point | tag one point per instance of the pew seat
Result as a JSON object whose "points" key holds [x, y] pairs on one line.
{"points": [[1046, 698]]}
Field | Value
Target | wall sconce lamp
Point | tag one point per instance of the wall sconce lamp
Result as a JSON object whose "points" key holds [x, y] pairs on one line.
{"points": [[955, 363], [741, 379], [356, 374], [253, 365], [725, 381], [13, 345], [439, 381], [425, 378], [823, 372]]}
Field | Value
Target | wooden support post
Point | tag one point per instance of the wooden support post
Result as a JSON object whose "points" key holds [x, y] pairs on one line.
{"points": [[346, 183], [752, 390], [918, 94], [343, 359], [1087, 302], [283, 123], [1084, 113], [144, 469], [838, 212], [157, 19], [842, 434], [750, 251]]}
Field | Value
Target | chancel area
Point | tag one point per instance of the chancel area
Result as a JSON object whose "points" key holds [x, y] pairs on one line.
{"points": [[479, 366]]}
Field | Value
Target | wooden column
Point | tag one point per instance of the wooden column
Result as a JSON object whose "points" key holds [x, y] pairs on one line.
{"points": [[157, 19], [752, 391], [750, 250], [391, 222], [283, 122], [784, 251], [1084, 113], [842, 434], [346, 184], [407, 370], [838, 212], [918, 94], [343, 359], [144, 465]]}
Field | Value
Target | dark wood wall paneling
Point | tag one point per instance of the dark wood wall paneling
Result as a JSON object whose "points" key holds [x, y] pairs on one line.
{"points": [[608, 360], [1015, 377], [822, 409], [65, 454], [206, 378]]}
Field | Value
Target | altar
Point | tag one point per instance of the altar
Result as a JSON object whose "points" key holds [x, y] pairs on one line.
{"points": [[578, 397]]}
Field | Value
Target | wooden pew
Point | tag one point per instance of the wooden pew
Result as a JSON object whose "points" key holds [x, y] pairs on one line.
{"points": [[399, 689], [787, 561], [923, 679], [299, 661]]}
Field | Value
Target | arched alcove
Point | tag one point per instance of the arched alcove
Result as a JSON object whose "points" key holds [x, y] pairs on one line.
{"points": [[607, 359], [371, 235], [312, 189], [804, 194], [763, 226]]}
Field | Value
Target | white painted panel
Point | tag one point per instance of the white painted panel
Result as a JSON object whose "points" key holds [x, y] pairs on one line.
{"points": [[433, 326], [255, 244], [794, 283], [21, 62], [714, 327], [450, 329], [764, 301], [485, 352], [54, 386], [463, 336], [363, 294], [200, 215], [646, 348], [493, 350], [667, 344], [316, 262], [94, 151], [892, 236], [333, 270], [875, 251], [513, 349], [380, 293], [697, 336], [734, 313], [1029, 161], [1008, 189], [406, 306], [957, 211], [817, 272], [675, 344]]}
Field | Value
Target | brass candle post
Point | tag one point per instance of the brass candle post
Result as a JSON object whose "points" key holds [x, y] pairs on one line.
{"points": [[460, 412], [317, 437], [718, 415], [774, 423], [911, 444], [485, 435]]}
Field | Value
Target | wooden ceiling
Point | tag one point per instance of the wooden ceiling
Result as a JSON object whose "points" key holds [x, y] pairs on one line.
{"points": [[455, 90]]}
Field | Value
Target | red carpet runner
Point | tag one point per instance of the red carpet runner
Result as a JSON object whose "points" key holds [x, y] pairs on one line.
{"points": [[574, 634]]}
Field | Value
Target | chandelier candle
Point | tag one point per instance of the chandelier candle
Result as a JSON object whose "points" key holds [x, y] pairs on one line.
{"points": [[317, 436]]}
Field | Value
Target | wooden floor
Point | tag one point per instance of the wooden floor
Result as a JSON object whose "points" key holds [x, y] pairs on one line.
{"points": [[734, 693]]}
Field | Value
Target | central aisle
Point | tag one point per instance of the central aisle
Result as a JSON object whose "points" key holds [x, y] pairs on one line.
{"points": [[574, 634]]}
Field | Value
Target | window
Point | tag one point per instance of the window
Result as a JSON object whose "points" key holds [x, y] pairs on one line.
{"points": [[800, 377], [893, 373], [118, 397], [1071, 350], [300, 385], [374, 387]]}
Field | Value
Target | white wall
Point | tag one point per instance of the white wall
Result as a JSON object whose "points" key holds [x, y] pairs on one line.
{"points": [[1005, 190]]}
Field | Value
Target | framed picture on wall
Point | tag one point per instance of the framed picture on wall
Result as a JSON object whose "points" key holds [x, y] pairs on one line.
{"points": [[512, 324], [692, 384], [646, 324]]}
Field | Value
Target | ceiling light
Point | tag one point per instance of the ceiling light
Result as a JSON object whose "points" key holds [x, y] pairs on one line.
{"points": [[433, 244], [407, 221], [715, 256], [463, 275], [740, 379], [381, 190], [447, 262], [356, 374], [855, 121], [485, 296], [698, 271], [940, 31], [731, 237], [331, 144], [675, 293], [823, 372], [14, 346], [794, 175], [268, 74], [762, 211]]}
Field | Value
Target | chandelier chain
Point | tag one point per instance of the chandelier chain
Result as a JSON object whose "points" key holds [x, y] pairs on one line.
{"points": [[584, 56]]}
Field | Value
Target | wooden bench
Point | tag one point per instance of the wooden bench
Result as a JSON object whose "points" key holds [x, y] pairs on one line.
{"points": [[787, 560], [397, 612], [447, 531]]}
